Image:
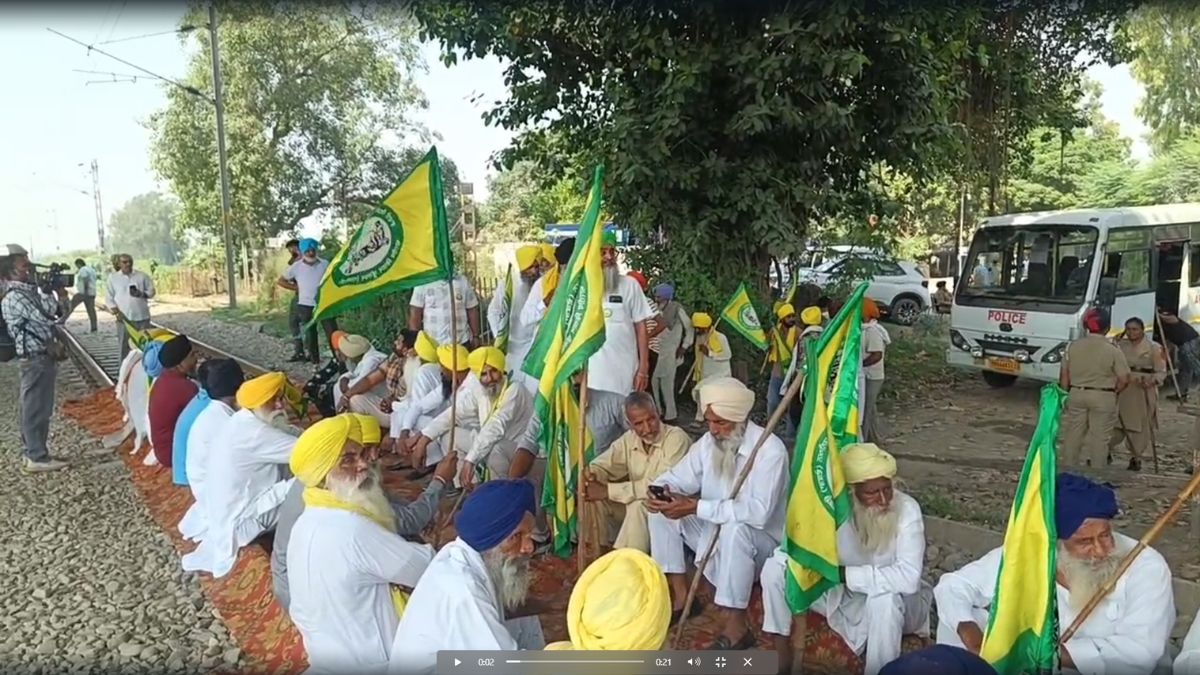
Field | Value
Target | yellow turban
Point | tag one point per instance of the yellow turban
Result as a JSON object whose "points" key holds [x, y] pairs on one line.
{"points": [[784, 311], [371, 433], [548, 253], [864, 461], [426, 348], [260, 390], [527, 256], [448, 355], [353, 346], [702, 320], [728, 397], [811, 316], [156, 333], [320, 447], [620, 603], [485, 356]]}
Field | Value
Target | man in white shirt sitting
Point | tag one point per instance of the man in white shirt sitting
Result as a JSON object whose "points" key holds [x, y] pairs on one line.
{"points": [[245, 470], [304, 277], [224, 379], [421, 412], [347, 565], [422, 375], [689, 501], [466, 594], [126, 294], [491, 417], [1126, 634], [362, 360], [881, 552]]}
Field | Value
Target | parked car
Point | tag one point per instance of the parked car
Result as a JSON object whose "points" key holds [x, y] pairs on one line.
{"points": [[900, 288]]}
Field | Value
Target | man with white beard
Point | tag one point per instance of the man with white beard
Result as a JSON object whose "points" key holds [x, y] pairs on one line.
{"points": [[491, 416], [245, 483], [881, 552], [694, 500], [473, 583], [1127, 633], [506, 316], [622, 364], [428, 402], [348, 564], [542, 291]]}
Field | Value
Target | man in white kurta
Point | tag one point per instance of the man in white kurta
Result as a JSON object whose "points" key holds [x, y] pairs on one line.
{"points": [[1127, 633], [1188, 661], [698, 501], [224, 380], [422, 375], [347, 566], [622, 364], [504, 312], [881, 552], [713, 357], [362, 360], [543, 289], [491, 416], [429, 403], [474, 583], [245, 484]]}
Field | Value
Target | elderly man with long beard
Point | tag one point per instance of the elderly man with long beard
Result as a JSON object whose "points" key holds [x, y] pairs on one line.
{"points": [[245, 483], [490, 419], [506, 316], [881, 552], [348, 564], [751, 524], [362, 361], [542, 291], [622, 364], [619, 476], [427, 403], [473, 583], [1127, 633]]}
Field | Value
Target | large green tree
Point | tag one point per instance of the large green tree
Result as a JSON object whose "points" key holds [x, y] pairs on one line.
{"points": [[522, 201], [318, 104], [1165, 41], [734, 129], [144, 227]]}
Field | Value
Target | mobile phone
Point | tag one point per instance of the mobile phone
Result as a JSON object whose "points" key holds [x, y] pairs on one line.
{"points": [[660, 493], [134, 291]]}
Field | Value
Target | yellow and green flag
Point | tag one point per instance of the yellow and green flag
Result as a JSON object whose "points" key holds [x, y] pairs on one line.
{"points": [[818, 503], [1022, 631], [502, 329], [739, 313], [567, 336], [404, 243]]}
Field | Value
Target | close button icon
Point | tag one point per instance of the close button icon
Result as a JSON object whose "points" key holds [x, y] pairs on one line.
{"points": [[747, 661]]}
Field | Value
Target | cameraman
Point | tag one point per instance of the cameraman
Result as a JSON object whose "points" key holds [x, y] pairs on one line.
{"points": [[29, 313]]}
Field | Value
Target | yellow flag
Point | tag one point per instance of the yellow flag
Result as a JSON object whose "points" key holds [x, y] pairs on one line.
{"points": [[404, 243], [739, 313]]}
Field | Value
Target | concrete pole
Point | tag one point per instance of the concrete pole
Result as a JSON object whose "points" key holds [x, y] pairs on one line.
{"points": [[231, 279]]}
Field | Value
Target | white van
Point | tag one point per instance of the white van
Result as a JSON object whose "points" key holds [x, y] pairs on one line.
{"points": [[1029, 277]]}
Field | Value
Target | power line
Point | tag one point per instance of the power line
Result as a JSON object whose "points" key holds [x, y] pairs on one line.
{"points": [[186, 87], [181, 29], [117, 20]]}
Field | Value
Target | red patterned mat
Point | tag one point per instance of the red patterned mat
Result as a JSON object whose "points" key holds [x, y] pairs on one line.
{"points": [[271, 643]]}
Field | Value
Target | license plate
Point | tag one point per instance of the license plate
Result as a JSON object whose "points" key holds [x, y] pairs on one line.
{"points": [[1005, 365]]}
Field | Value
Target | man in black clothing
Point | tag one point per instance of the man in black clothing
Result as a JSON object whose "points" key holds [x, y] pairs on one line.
{"points": [[1186, 340]]}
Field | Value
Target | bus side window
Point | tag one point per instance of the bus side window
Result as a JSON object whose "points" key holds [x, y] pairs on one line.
{"points": [[1194, 266]]}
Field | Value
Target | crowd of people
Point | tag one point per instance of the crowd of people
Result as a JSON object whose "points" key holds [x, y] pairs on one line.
{"points": [[356, 569]]}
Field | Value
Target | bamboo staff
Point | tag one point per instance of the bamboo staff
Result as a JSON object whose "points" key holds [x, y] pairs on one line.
{"points": [[583, 524], [696, 362], [772, 422], [1167, 355], [437, 536], [1146, 540]]}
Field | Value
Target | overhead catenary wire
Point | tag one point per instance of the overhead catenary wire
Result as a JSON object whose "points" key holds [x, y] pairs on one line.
{"points": [[130, 38], [186, 87]]}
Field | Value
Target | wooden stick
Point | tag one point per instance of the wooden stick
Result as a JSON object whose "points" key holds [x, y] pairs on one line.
{"points": [[695, 377], [437, 536], [772, 422], [1146, 540], [1167, 355], [581, 509]]}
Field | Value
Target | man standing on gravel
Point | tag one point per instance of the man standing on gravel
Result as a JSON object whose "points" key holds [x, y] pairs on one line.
{"points": [[85, 291], [30, 316], [127, 295], [304, 276], [1094, 371], [294, 326]]}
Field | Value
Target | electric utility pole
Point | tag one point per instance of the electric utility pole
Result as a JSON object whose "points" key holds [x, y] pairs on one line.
{"points": [[218, 99], [99, 206]]}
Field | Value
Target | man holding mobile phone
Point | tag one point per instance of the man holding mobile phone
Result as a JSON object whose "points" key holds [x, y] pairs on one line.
{"points": [[127, 295]]}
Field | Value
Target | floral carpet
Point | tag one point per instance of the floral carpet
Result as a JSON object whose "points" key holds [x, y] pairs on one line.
{"points": [[271, 643]]}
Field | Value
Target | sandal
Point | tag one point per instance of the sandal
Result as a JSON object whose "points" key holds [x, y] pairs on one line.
{"points": [[723, 643]]}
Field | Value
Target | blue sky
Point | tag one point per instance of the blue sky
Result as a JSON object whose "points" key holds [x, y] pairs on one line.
{"points": [[53, 120]]}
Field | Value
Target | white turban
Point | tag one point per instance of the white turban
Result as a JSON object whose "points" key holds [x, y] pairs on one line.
{"points": [[728, 397], [353, 346], [863, 461]]}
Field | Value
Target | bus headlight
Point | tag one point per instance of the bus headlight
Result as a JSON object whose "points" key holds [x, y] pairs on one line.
{"points": [[959, 341], [1021, 355], [977, 352], [1055, 355]]}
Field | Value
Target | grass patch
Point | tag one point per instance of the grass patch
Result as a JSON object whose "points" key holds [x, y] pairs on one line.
{"points": [[916, 361]]}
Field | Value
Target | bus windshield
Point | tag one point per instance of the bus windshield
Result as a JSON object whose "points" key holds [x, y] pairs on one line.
{"points": [[1045, 265]]}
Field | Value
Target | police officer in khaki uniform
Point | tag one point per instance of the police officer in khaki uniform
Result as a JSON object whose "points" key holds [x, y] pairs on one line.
{"points": [[1093, 372], [1137, 404]]}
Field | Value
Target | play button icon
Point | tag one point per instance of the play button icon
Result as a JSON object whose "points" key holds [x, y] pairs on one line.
{"points": [[457, 662]]}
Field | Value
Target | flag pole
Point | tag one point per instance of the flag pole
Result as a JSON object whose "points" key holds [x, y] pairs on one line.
{"points": [[772, 422], [1184, 495], [453, 407], [583, 524]]}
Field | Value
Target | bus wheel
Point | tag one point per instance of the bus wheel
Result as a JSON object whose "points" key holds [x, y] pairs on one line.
{"points": [[998, 380]]}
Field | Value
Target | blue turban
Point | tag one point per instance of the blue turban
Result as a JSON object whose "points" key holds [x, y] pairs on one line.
{"points": [[150, 362], [938, 660], [493, 511], [1076, 499], [664, 291], [309, 244]]}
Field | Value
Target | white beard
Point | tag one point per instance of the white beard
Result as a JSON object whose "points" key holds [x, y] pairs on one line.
{"points": [[511, 577], [364, 491], [271, 417], [612, 277], [1085, 577], [727, 450], [876, 528]]}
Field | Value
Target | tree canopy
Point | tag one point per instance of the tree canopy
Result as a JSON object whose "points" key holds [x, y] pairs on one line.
{"points": [[144, 227], [520, 203], [1165, 42]]}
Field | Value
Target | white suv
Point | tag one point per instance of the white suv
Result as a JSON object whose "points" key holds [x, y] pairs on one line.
{"points": [[898, 287]]}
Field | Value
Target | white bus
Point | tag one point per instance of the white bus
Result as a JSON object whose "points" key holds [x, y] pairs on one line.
{"points": [[1029, 277]]}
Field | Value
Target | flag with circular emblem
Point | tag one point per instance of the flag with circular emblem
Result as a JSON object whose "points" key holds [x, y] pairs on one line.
{"points": [[404, 243], [739, 313]]}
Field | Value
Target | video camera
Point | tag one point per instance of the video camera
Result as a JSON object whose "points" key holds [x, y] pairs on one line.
{"points": [[53, 277]]}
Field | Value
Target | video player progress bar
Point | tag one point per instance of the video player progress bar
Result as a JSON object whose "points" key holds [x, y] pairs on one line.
{"points": [[567, 662]]}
